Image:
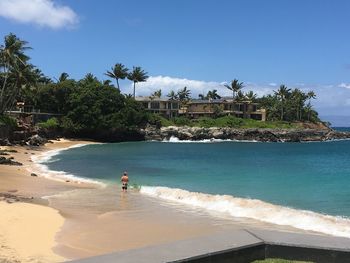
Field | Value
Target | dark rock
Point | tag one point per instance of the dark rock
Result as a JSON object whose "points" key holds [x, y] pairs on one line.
{"points": [[4, 160], [5, 142], [36, 140], [33, 174], [262, 135]]}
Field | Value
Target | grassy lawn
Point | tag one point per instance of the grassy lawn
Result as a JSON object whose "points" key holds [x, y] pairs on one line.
{"points": [[277, 260]]}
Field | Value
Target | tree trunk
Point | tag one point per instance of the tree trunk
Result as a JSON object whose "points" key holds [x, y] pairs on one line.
{"points": [[134, 89], [117, 83]]}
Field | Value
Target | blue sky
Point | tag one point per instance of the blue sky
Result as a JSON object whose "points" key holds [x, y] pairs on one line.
{"points": [[201, 44]]}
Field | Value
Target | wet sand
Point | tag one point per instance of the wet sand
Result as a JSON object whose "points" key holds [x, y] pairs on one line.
{"points": [[99, 220]]}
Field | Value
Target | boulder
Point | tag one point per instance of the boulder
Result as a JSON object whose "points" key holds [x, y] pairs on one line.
{"points": [[36, 140]]}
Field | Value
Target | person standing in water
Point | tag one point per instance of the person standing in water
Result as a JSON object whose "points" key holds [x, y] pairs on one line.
{"points": [[125, 180]]}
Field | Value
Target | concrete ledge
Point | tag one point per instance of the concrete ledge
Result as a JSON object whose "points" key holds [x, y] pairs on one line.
{"points": [[239, 246]]}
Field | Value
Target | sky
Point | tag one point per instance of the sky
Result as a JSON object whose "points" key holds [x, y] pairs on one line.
{"points": [[201, 44]]}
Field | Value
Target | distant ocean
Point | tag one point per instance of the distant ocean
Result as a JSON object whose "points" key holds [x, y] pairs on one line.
{"points": [[304, 185]]}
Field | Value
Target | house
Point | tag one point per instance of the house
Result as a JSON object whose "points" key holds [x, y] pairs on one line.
{"points": [[241, 109], [163, 106], [203, 108]]}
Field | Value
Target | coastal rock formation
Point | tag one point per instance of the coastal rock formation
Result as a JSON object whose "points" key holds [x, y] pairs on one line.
{"points": [[36, 140], [261, 135], [8, 161]]}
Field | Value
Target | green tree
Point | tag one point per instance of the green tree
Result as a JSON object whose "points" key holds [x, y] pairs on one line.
{"points": [[172, 95], [119, 71], [311, 95], [282, 94], [213, 94], [201, 96], [14, 70], [251, 96], [63, 77], [234, 87], [137, 75], [240, 96], [157, 94], [184, 94]]}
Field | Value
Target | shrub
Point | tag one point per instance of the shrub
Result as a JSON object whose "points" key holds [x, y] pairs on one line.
{"points": [[51, 123], [182, 121], [6, 120]]}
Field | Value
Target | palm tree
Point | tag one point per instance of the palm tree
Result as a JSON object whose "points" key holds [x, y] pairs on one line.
{"points": [[235, 87], [184, 94], [298, 100], [311, 95], [282, 94], [240, 96], [251, 96], [212, 94], [119, 71], [172, 95], [64, 76], [157, 94], [201, 96], [107, 82], [308, 110], [137, 75], [12, 62]]}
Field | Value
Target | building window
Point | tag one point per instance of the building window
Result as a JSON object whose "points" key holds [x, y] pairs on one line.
{"points": [[145, 105], [175, 105], [155, 105]]}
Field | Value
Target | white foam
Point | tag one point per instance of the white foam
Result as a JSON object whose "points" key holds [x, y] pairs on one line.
{"points": [[255, 209], [43, 170], [174, 139]]}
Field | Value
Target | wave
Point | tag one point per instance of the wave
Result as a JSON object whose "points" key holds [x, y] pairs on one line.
{"points": [[255, 209], [174, 139], [40, 167]]}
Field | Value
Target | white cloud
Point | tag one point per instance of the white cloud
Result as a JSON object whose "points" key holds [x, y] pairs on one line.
{"points": [[166, 84], [273, 84], [344, 85], [40, 12]]}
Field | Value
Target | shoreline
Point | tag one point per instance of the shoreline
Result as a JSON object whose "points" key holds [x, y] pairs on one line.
{"points": [[187, 133], [102, 220], [25, 212]]}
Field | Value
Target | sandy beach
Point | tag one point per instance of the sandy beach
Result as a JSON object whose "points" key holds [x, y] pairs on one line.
{"points": [[66, 219], [28, 225]]}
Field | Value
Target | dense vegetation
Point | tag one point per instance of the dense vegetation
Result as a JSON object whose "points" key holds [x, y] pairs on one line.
{"points": [[96, 109], [86, 107]]}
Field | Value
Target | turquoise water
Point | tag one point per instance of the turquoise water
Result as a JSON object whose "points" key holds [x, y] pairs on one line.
{"points": [[311, 176]]}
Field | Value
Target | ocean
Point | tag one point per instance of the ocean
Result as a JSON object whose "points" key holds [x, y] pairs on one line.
{"points": [[302, 185]]}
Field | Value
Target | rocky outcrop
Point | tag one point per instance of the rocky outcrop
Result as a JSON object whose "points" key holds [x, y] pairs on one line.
{"points": [[8, 161], [36, 140], [262, 135]]}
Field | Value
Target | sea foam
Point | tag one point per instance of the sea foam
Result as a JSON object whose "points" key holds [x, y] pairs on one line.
{"points": [[174, 139], [255, 209], [40, 167]]}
